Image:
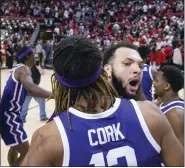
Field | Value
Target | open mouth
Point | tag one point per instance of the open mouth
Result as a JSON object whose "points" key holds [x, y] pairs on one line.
{"points": [[134, 84]]}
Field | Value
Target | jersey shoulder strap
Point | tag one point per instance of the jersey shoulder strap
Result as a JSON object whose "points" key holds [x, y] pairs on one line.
{"points": [[172, 105]]}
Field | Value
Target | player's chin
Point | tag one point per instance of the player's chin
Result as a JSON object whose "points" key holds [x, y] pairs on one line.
{"points": [[131, 94], [132, 90]]}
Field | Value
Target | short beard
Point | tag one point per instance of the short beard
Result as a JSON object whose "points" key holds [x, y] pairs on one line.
{"points": [[120, 89]]}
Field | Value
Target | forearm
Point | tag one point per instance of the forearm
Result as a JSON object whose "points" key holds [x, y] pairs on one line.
{"points": [[37, 91]]}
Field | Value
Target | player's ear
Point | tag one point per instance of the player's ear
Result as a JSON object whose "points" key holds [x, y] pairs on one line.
{"points": [[108, 69], [167, 86]]}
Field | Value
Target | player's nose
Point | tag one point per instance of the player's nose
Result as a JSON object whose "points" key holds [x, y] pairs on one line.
{"points": [[136, 69]]}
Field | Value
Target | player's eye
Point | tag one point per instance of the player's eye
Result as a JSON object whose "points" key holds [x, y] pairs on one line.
{"points": [[141, 66], [127, 63]]}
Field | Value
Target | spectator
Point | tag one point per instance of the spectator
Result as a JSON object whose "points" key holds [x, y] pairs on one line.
{"points": [[10, 55], [142, 22], [48, 49], [161, 57], [177, 57], [39, 51]]}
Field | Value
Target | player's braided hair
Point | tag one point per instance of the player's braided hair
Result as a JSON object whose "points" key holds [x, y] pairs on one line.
{"points": [[74, 59]]}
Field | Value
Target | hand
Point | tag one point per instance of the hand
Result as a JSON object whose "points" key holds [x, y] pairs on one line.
{"points": [[51, 97]]}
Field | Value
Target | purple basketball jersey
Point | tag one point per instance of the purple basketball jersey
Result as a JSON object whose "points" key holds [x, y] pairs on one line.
{"points": [[116, 137], [13, 98], [172, 105], [147, 81], [14, 93]]}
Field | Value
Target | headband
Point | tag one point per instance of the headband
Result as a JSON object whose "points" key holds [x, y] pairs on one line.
{"points": [[81, 82], [23, 54]]}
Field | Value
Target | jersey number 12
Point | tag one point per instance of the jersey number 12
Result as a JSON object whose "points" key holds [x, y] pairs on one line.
{"points": [[113, 155]]}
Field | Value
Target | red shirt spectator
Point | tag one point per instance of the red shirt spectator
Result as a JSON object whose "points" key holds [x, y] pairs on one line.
{"points": [[131, 39], [168, 51], [153, 57], [75, 30], [4, 48], [142, 41], [161, 57]]}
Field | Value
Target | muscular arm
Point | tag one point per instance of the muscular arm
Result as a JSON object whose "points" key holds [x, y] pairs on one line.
{"points": [[23, 75], [172, 152], [176, 119], [46, 148]]}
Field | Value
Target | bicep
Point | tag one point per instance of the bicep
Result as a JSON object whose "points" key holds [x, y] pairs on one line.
{"points": [[26, 79], [172, 152]]}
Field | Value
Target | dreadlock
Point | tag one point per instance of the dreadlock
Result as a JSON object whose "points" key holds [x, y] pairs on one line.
{"points": [[78, 58]]}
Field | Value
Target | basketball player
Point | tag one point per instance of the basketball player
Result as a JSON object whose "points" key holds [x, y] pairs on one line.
{"points": [[119, 61], [148, 73], [18, 85], [169, 80], [36, 71], [93, 128]]}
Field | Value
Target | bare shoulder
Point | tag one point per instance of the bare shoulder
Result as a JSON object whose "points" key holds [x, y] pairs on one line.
{"points": [[22, 71], [46, 147], [151, 113], [46, 135], [176, 118], [154, 118], [47, 130], [176, 113], [150, 108]]}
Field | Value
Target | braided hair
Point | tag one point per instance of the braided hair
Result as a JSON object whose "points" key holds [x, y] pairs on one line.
{"points": [[77, 58]]}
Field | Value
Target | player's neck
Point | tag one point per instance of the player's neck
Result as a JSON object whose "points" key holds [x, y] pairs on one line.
{"points": [[103, 104], [169, 97]]}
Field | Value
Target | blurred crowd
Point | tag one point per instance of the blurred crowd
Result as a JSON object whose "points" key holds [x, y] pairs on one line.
{"points": [[158, 24]]}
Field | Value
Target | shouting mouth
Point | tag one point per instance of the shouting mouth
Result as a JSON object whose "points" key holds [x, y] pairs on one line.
{"points": [[134, 84]]}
